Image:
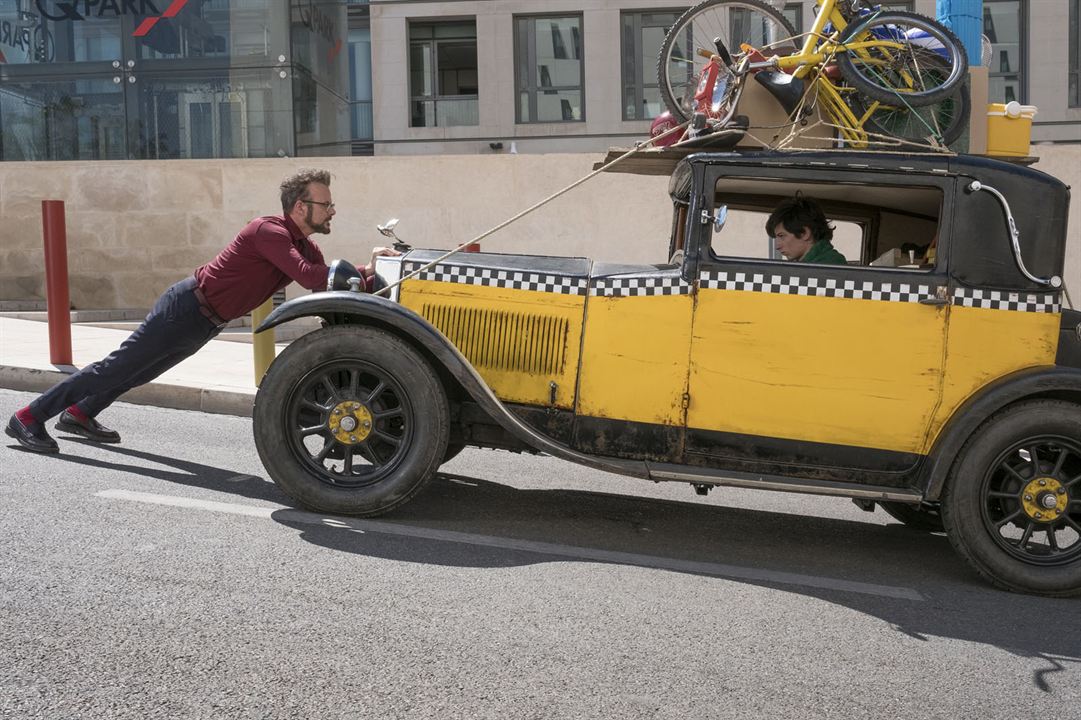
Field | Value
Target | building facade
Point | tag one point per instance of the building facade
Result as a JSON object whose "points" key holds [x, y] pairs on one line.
{"points": [[167, 79], [184, 79]]}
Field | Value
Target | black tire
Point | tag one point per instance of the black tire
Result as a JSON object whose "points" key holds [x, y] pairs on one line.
{"points": [[994, 506], [678, 65], [945, 120], [925, 518], [880, 75], [395, 406]]}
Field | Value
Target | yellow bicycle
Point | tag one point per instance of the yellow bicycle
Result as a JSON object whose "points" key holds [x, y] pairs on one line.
{"points": [[877, 76]]}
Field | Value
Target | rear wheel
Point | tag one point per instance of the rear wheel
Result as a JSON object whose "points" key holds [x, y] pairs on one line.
{"points": [[1012, 506], [883, 72], [943, 122], [732, 22], [351, 420]]}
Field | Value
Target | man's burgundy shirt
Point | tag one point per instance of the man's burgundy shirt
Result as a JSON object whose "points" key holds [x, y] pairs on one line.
{"points": [[268, 254]]}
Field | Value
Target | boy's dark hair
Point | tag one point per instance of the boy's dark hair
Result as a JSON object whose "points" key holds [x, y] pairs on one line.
{"points": [[798, 213], [295, 187]]}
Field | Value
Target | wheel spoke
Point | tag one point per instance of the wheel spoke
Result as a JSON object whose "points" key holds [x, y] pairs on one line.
{"points": [[312, 405], [312, 430], [1062, 453], [1072, 482], [354, 382], [326, 450], [1025, 536], [1034, 458], [1008, 518], [347, 462], [395, 441], [392, 413], [1013, 472], [377, 392], [1000, 494], [374, 457], [1051, 541], [332, 390]]}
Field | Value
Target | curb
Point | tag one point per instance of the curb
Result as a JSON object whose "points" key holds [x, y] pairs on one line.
{"points": [[220, 401]]}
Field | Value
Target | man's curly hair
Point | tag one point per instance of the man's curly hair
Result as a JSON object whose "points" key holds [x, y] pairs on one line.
{"points": [[295, 187], [801, 212]]}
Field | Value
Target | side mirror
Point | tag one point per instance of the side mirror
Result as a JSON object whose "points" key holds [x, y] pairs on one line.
{"points": [[718, 219]]}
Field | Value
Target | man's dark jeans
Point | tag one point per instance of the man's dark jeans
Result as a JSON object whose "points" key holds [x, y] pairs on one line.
{"points": [[174, 330]]}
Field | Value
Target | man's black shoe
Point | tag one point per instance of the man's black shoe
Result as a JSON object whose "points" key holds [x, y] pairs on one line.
{"points": [[90, 429], [35, 441]]}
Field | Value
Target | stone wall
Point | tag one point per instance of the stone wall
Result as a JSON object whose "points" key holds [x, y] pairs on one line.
{"points": [[134, 227]]}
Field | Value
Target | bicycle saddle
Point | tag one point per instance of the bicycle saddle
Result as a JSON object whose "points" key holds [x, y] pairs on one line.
{"points": [[787, 89]]}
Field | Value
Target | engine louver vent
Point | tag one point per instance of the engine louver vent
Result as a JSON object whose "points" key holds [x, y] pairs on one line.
{"points": [[500, 340]]}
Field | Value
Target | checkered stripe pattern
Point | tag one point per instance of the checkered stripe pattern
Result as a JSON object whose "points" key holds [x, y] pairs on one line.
{"points": [[638, 285], [1005, 300], [495, 277], [821, 287]]}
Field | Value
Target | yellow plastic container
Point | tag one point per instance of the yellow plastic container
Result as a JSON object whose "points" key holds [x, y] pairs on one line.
{"points": [[1009, 128]]}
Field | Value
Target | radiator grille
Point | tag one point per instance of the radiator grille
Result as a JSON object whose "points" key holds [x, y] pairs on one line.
{"points": [[501, 340]]}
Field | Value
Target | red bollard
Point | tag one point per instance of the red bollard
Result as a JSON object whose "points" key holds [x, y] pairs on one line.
{"points": [[472, 247], [57, 297]]}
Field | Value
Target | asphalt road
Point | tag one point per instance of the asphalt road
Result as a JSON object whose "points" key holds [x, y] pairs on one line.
{"points": [[167, 577]]}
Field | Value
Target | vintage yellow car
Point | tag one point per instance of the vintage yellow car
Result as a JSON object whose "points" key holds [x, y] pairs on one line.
{"points": [[936, 374]]}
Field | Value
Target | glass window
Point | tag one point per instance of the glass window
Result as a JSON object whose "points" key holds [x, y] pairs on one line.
{"points": [[360, 74], [643, 33], [209, 114], [793, 13], [1074, 83], [443, 74], [550, 75], [1004, 26], [68, 119]]}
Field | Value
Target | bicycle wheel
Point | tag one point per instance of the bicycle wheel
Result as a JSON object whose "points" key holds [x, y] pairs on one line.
{"points": [[944, 120], [732, 22], [883, 73]]}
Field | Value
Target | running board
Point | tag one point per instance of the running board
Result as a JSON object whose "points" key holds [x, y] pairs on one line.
{"points": [[682, 473]]}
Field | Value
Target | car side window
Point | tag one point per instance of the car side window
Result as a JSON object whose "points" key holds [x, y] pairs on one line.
{"points": [[893, 227]]}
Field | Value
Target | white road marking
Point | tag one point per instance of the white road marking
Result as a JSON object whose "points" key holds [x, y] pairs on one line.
{"points": [[569, 551]]}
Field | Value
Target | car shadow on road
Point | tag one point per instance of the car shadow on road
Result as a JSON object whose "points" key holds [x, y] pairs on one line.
{"points": [[501, 526], [955, 602]]}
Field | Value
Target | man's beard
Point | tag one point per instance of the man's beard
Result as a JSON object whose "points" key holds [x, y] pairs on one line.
{"points": [[324, 228]]}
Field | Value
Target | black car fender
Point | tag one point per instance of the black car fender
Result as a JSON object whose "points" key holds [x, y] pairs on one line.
{"points": [[1030, 383], [344, 306]]}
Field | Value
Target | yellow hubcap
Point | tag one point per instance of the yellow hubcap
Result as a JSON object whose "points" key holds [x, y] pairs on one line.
{"points": [[350, 422], [1045, 499]]}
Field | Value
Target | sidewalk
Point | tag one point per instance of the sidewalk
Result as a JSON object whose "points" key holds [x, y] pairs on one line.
{"points": [[220, 378]]}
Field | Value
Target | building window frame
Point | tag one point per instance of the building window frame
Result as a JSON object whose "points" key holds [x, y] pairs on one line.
{"points": [[434, 73], [633, 74], [1073, 62], [1021, 72], [525, 78], [793, 12]]}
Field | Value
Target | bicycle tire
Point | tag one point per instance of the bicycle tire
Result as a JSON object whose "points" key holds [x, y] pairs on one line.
{"points": [[678, 73], [882, 78], [946, 119]]}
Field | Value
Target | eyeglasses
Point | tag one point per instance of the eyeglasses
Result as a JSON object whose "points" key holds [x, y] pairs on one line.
{"points": [[327, 205]]}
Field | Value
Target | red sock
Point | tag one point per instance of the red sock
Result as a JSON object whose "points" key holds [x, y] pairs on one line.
{"points": [[78, 414], [25, 417]]}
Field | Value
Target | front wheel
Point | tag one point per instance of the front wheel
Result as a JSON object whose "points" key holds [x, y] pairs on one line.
{"points": [[351, 420], [1012, 505], [886, 57]]}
